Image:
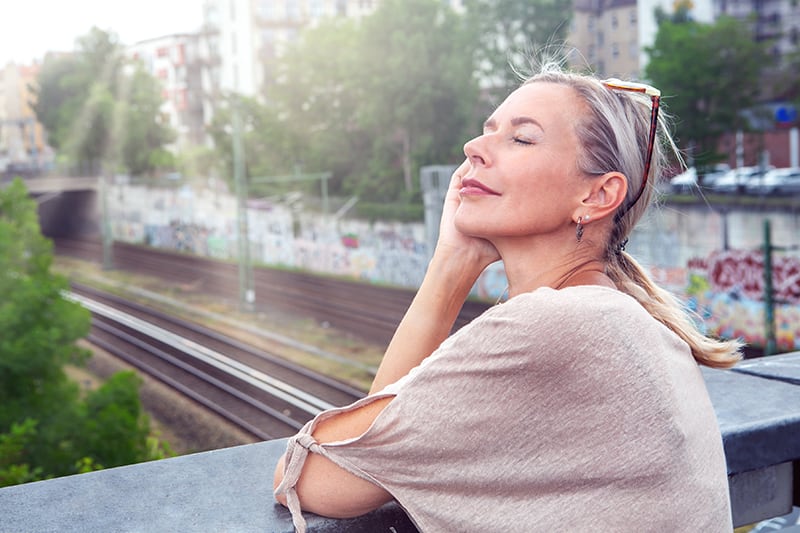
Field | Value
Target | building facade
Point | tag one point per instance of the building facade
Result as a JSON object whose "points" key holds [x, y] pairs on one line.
{"points": [[604, 36], [776, 21], [177, 62], [23, 148]]}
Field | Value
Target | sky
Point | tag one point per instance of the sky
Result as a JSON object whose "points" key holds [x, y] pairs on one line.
{"points": [[30, 28]]}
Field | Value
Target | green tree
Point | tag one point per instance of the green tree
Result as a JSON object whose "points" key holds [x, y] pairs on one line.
{"points": [[13, 466], [267, 140], [709, 74], [513, 34], [398, 93], [116, 429], [420, 92], [142, 133], [317, 96], [99, 113], [46, 428]]}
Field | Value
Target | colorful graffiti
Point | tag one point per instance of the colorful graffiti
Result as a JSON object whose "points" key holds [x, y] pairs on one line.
{"points": [[727, 288]]}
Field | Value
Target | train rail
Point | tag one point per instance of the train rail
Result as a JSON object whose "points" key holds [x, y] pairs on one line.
{"points": [[367, 311], [259, 392]]}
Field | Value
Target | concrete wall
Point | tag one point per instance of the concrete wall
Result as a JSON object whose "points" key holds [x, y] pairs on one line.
{"points": [[710, 258]]}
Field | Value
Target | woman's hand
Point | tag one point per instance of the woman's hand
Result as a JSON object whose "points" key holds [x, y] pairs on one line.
{"points": [[479, 251]]}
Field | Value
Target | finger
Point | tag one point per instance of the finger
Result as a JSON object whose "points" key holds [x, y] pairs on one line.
{"points": [[459, 173]]}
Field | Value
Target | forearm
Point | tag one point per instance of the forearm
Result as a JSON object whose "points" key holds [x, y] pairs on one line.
{"points": [[430, 317]]}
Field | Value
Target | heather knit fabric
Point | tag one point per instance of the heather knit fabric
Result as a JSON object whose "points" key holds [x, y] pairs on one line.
{"points": [[558, 410]]}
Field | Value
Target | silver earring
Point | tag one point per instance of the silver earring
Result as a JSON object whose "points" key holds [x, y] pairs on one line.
{"points": [[579, 229]]}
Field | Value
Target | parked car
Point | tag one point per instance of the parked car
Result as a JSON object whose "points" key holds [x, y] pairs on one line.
{"points": [[777, 181], [684, 182], [689, 181], [708, 179], [737, 180]]}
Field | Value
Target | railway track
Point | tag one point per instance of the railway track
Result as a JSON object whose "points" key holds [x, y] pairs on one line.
{"points": [[367, 311], [259, 392]]}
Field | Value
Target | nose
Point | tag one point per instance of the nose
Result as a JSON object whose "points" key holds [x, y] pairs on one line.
{"points": [[476, 151]]}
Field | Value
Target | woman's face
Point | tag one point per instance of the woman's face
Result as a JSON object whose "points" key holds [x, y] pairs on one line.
{"points": [[523, 178]]}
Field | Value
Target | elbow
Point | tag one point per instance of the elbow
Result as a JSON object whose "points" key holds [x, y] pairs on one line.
{"points": [[276, 481], [326, 490]]}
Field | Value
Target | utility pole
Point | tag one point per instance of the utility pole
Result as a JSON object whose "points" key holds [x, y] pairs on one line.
{"points": [[247, 293], [769, 299], [105, 224]]}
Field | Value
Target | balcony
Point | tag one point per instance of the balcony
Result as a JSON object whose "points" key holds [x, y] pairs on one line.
{"points": [[757, 406]]}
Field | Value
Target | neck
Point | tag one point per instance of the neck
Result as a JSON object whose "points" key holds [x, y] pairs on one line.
{"points": [[529, 273]]}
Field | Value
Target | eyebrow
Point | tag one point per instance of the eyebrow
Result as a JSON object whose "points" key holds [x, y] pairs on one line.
{"points": [[491, 123]]}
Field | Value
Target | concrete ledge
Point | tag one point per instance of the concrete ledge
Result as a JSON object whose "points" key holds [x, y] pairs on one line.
{"points": [[231, 489]]}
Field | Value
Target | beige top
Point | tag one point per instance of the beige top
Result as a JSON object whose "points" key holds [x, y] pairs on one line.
{"points": [[558, 410]]}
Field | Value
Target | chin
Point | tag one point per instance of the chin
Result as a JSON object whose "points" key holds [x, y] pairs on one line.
{"points": [[471, 229]]}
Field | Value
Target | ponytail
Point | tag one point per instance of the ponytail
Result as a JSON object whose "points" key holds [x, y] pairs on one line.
{"points": [[613, 135], [631, 279]]}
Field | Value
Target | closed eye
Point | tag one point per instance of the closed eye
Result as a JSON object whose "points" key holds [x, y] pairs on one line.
{"points": [[519, 140]]}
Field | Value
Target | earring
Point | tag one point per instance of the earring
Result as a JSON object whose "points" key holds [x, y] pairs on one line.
{"points": [[579, 227]]}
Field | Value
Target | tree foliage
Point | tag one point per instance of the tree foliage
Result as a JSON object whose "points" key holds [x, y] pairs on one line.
{"points": [[46, 427], [513, 34], [710, 74], [101, 110], [369, 101]]}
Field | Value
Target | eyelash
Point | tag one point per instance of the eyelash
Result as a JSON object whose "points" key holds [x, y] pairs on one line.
{"points": [[517, 140]]}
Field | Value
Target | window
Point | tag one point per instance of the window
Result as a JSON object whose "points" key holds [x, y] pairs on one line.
{"points": [[614, 50], [614, 22], [292, 10], [316, 9]]}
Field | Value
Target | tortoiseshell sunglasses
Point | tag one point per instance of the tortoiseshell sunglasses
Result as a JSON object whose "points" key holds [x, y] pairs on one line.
{"points": [[655, 96]]}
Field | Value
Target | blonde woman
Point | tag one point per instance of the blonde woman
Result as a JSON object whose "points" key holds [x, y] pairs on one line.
{"points": [[577, 403]]}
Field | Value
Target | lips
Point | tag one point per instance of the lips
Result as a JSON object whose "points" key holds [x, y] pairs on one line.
{"points": [[470, 186]]}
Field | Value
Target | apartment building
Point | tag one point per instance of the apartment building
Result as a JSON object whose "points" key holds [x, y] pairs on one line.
{"points": [[233, 52], [251, 33], [604, 35], [178, 62], [776, 21], [22, 139], [611, 36]]}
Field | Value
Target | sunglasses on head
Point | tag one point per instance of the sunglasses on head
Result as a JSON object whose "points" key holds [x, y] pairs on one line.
{"points": [[655, 96]]}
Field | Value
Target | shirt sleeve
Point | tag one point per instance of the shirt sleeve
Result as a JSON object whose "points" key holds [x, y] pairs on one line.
{"points": [[548, 395], [464, 380]]}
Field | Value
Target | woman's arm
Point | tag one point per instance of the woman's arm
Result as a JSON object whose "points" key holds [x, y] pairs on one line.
{"points": [[325, 488], [457, 262]]}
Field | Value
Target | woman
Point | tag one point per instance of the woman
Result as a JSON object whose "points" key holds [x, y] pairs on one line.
{"points": [[578, 402]]}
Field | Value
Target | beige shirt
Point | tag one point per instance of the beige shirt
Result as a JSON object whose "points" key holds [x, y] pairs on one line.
{"points": [[559, 410]]}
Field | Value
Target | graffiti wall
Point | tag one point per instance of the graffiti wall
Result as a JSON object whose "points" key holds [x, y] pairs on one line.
{"points": [[714, 261], [711, 259], [727, 290]]}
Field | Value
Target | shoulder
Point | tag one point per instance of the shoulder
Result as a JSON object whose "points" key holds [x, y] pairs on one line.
{"points": [[569, 306], [576, 322]]}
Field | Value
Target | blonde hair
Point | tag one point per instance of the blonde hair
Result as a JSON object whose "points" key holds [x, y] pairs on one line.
{"points": [[613, 136]]}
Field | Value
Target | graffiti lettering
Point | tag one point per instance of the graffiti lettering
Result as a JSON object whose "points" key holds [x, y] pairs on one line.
{"points": [[742, 272]]}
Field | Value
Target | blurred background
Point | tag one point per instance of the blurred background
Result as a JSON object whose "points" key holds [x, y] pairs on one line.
{"points": [[317, 136]]}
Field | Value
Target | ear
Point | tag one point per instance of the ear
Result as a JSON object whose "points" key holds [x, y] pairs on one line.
{"points": [[605, 195]]}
